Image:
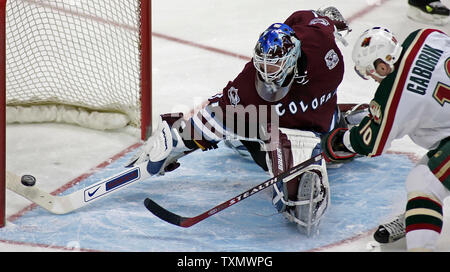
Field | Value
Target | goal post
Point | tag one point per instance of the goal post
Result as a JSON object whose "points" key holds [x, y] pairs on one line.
{"points": [[146, 70], [81, 62], [2, 114]]}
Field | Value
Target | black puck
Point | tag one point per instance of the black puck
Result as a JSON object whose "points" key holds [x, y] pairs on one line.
{"points": [[28, 180]]}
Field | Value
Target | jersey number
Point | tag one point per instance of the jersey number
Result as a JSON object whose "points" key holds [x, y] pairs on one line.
{"points": [[366, 133], [442, 93]]}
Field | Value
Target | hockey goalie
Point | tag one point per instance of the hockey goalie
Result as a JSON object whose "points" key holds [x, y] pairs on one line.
{"points": [[277, 109]]}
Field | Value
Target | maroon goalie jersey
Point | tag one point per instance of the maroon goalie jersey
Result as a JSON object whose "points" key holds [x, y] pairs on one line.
{"points": [[311, 102]]}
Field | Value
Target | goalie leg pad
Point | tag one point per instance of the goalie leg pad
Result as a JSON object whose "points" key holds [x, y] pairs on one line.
{"points": [[304, 199], [292, 148], [313, 198]]}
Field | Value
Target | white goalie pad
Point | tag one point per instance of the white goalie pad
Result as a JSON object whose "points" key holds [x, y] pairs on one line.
{"points": [[313, 200], [313, 193], [302, 143]]}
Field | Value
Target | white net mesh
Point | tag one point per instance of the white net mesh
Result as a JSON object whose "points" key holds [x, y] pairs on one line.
{"points": [[78, 53]]}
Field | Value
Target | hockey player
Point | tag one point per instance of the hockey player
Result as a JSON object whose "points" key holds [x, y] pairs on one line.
{"points": [[278, 106], [413, 99], [428, 12]]}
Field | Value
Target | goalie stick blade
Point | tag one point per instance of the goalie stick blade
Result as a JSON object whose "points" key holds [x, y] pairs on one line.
{"points": [[182, 221], [164, 214]]}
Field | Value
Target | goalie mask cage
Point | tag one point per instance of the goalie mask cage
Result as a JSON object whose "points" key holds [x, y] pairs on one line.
{"points": [[83, 62]]}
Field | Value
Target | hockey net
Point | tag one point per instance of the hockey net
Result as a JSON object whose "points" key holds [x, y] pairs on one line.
{"points": [[82, 62]]}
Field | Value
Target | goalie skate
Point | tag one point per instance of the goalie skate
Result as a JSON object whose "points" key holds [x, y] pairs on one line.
{"points": [[392, 231], [312, 201]]}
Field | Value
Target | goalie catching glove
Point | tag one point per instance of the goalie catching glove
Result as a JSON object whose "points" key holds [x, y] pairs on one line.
{"points": [[334, 146], [339, 22], [162, 149]]}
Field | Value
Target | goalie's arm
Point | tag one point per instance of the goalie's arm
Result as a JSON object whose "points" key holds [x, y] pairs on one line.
{"points": [[217, 120]]}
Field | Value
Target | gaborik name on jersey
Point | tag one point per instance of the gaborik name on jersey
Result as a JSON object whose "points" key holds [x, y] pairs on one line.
{"points": [[423, 68]]}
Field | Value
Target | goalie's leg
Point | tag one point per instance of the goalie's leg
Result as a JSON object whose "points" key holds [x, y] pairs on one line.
{"points": [[304, 199], [313, 199]]}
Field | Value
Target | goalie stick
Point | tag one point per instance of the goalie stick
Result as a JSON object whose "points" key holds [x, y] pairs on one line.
{"points": [[68, 203], [186, 222], [73, 201]]}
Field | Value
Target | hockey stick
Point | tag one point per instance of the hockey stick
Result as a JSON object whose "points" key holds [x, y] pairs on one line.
{"points": [[186, 222], [68, 203]]}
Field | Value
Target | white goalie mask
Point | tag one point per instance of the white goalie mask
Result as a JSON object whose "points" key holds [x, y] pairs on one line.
{"points": [[375, 44], [275, 59]]}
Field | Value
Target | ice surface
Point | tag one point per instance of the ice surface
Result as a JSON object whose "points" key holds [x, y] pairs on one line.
{"points": [[361, 195]]}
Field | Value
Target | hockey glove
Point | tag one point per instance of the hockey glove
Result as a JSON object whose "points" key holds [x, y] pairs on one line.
{"points": [[333, 147], [339, 22], [335, 16], [162, 149]]}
